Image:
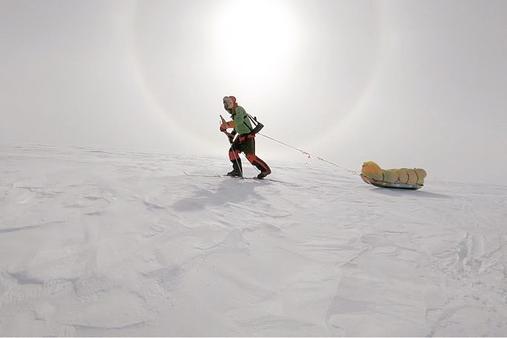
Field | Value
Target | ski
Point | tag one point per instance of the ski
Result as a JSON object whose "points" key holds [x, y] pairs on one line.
{"points": [[244, 178]]}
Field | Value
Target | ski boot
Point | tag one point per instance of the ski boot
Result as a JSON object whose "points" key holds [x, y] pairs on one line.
{"points": [[264, 174], [236, 169], [234, 173]]}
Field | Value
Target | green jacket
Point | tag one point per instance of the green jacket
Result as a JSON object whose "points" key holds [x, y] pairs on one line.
{"points": [[242, 124]]}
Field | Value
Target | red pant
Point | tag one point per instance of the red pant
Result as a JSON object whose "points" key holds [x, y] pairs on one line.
{"points": [[246, 144]]}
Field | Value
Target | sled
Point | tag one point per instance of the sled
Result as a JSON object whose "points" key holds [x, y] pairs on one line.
{"points": [[397, 185]]}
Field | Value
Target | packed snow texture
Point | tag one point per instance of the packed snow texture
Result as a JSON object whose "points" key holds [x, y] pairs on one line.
{"points": [[122, 243]]}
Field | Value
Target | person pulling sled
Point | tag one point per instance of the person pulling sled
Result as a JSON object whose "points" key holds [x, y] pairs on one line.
{"points": [[242, 138]]}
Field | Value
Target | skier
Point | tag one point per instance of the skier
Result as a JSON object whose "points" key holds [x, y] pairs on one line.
{"points": [[244, 142]]}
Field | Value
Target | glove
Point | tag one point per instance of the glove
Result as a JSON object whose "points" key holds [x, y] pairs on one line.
{"points": [[225, 125]]}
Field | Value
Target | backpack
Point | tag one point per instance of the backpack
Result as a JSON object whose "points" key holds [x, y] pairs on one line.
{"points": [[257, 124]]}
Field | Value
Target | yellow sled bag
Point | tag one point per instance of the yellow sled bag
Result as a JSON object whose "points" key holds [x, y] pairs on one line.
{"points": [[403, 178]]}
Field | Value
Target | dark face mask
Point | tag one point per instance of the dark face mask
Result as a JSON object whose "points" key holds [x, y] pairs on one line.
{"points": [[228, 104]]}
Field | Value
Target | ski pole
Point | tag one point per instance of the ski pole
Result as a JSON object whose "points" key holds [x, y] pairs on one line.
{"points": [[231, 141], [229, 135]]}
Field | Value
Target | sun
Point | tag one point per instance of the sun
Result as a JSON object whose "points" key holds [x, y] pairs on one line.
{"points": [[256, 38]]}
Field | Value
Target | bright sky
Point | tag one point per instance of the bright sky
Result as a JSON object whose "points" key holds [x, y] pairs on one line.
{"points": [[402, 82]]}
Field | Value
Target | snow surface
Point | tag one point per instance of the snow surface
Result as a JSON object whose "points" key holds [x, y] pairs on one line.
{"points": [[122, 243]]}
